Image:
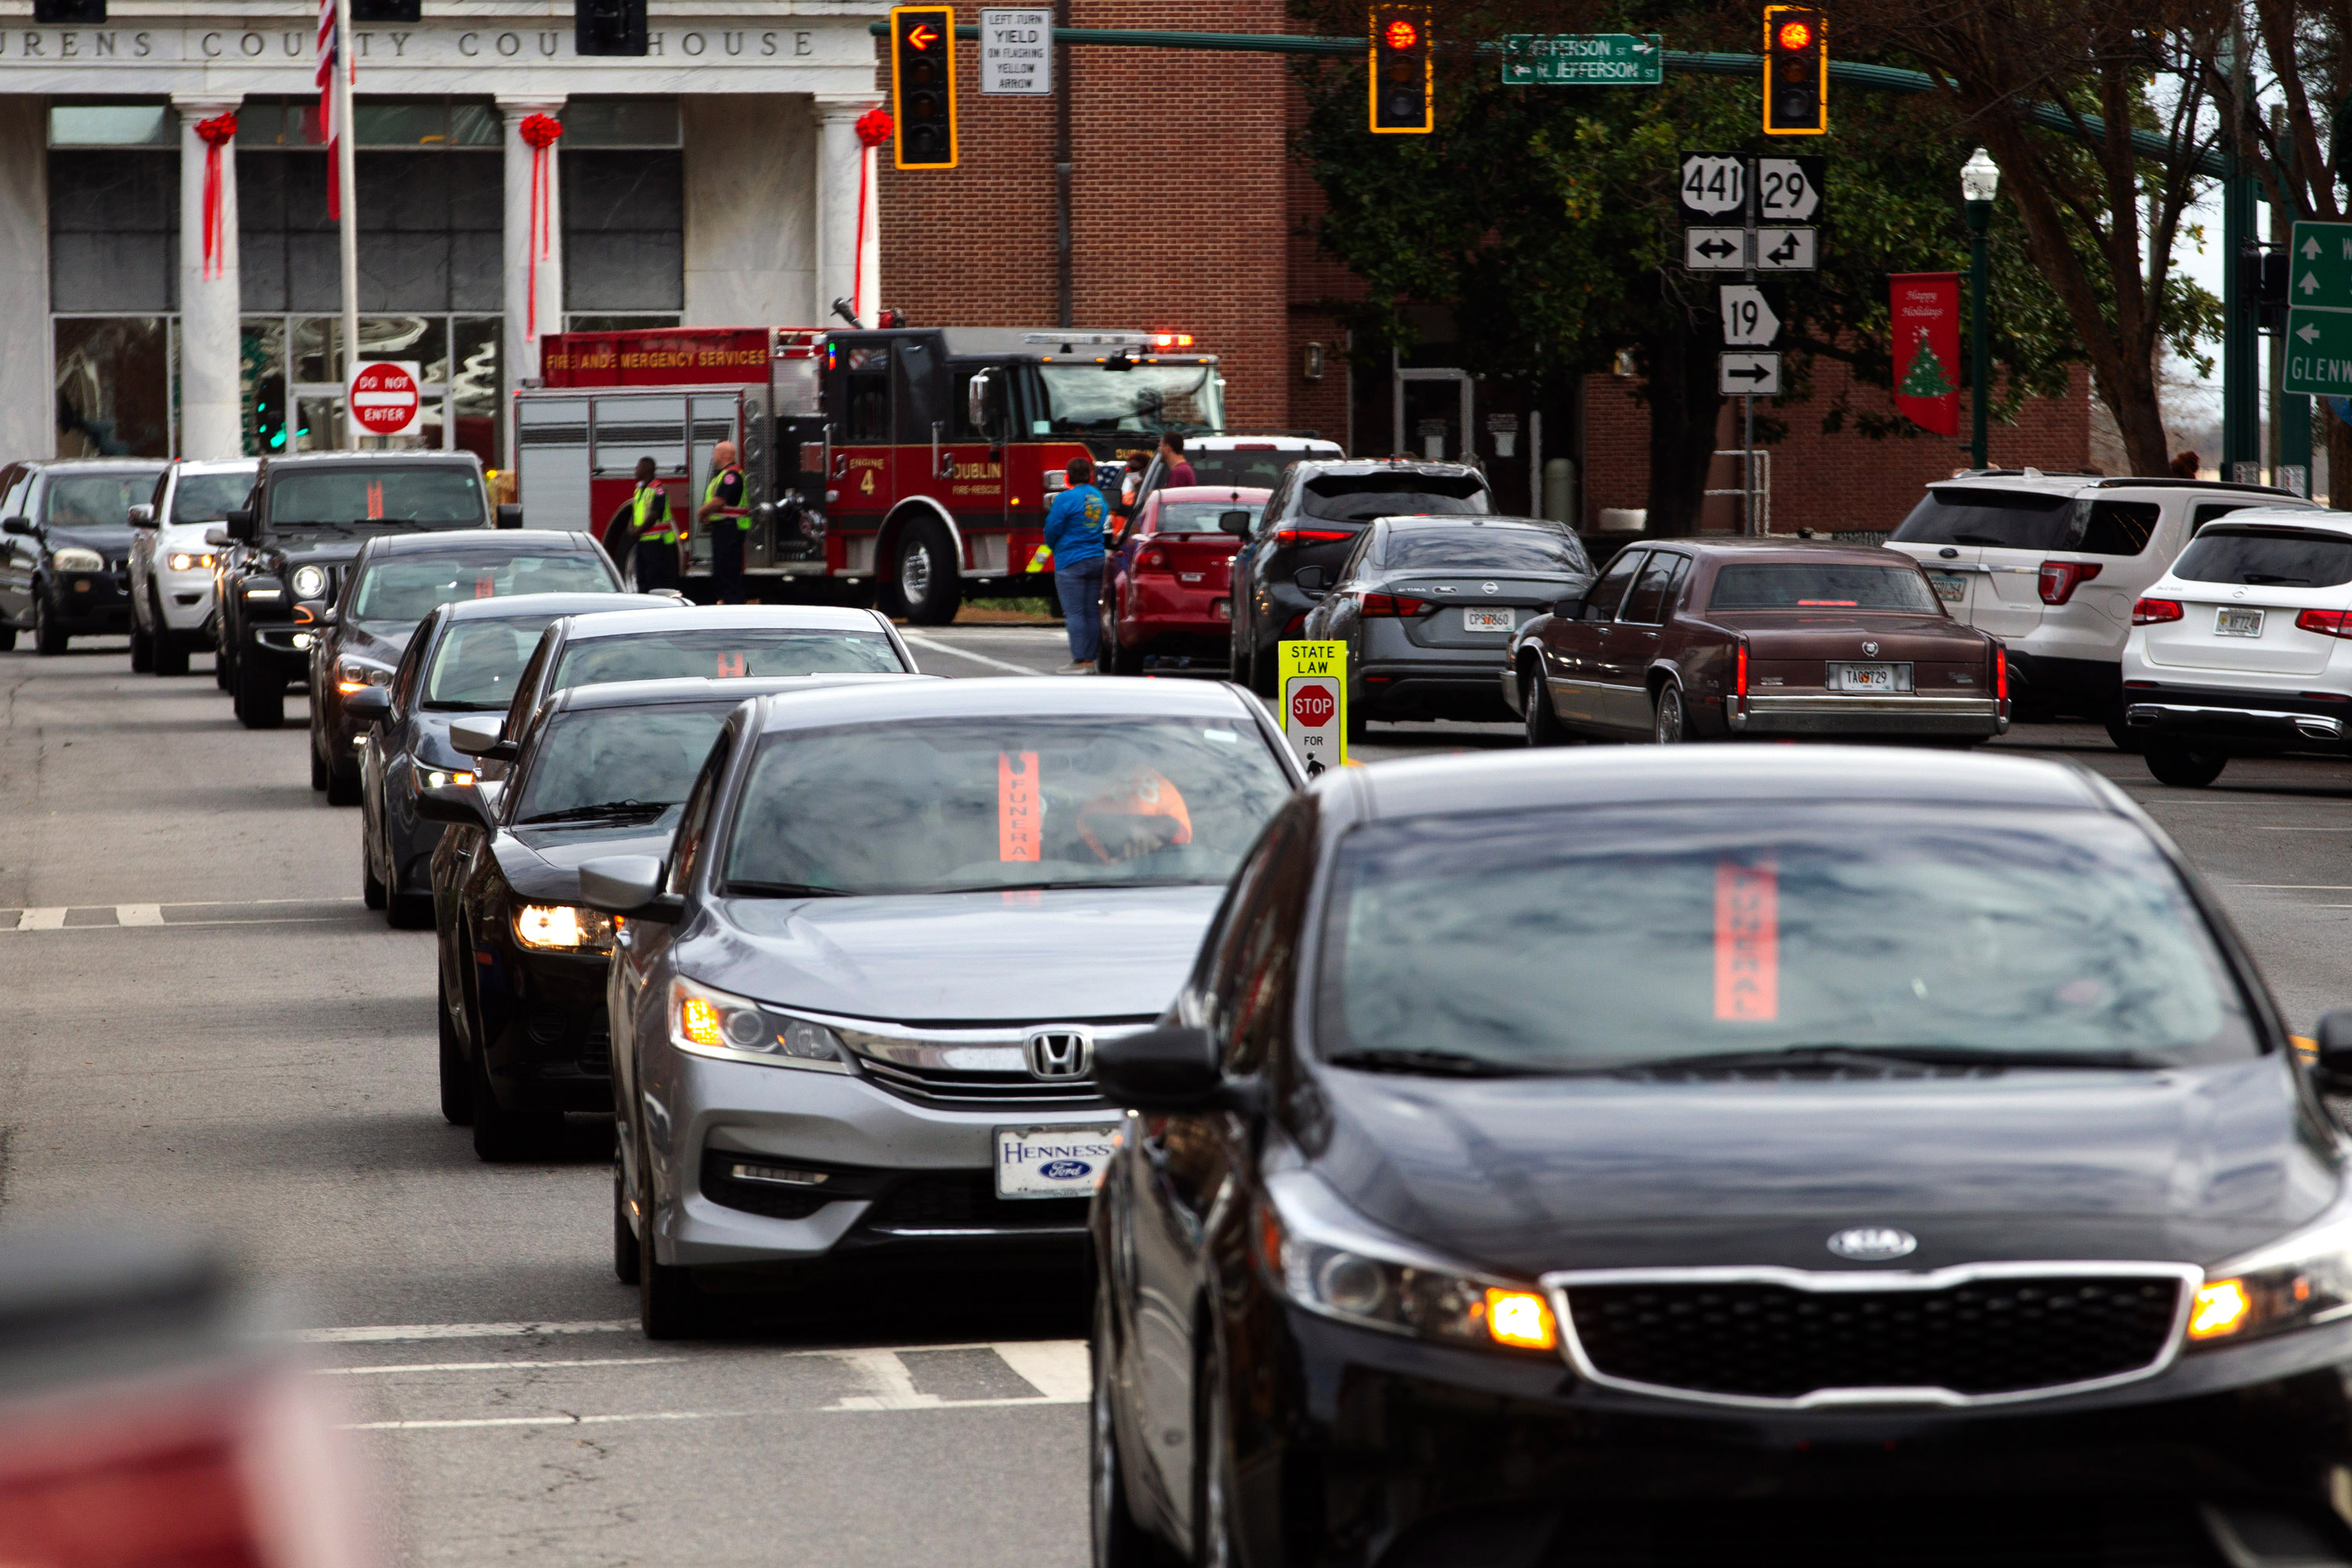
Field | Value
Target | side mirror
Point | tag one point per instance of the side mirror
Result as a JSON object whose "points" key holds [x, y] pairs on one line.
{"points": [[1568, 608], [458, 804], [369, 702], [1173, 1067], [218, 538], [510, 515], [238, 520], [143, 515], [326, 615], [2334, 1036], [629, 885], [16, 525], [975, 404], [1311, 579], [1236, 523], [479, 738]]}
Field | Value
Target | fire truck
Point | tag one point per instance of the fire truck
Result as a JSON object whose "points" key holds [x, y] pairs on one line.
{"points": [[911, 463]]}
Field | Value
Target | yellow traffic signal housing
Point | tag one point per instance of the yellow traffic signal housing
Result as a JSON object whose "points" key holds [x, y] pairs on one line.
{"points": [[1403, 87], [1796, 71], [922, 86]]}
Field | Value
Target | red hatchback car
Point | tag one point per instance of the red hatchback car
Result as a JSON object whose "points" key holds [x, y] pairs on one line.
{"points": [[1166, 585]]}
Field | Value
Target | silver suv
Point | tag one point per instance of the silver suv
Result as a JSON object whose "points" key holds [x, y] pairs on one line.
{"points": [[2051, 564], [171, 564]]}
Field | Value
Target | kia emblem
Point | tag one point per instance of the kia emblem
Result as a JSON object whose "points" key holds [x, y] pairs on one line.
{"points": [[1870, 648], [1063, 1051], [1489, 588], [1873, 1243]]}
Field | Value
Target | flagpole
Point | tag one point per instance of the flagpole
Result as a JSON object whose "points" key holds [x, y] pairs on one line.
{"points": [[349, 225]]}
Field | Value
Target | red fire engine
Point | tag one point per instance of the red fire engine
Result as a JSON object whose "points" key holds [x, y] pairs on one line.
{"points": [[918, 460]]}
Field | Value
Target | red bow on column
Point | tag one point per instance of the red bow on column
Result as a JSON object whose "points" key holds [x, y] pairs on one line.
{"points": [[539, 131], [874, 127], [216, 133]]}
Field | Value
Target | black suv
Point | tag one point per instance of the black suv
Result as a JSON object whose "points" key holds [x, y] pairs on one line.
{"points": [[308, 517], [65, 547], [1312, 519]]}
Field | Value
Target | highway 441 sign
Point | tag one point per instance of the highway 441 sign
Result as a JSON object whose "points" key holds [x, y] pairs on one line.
{"points": [[2319, 310]]}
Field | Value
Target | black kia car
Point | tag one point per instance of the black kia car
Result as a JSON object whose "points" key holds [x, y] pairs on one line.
{"points": [[1810, 1156]]}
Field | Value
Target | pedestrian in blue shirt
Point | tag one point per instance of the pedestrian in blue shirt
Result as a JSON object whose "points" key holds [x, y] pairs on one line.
{"points": [[1074, 532]]}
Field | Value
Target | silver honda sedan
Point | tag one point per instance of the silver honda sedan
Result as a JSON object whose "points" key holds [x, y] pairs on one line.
{"points": [[854, 1010]]}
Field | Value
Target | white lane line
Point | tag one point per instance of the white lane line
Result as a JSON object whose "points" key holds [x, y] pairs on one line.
{"points": [[490, 1366], [138, 914], [893, 1384], [2295, 886], [547, 1420], [954, 652], [1061, 1370], [388, 1333], [43, 919]]}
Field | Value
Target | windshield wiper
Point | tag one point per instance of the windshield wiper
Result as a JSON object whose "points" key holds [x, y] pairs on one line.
{"points": [[785, 890], [1831, 1056], [1440, 1064], [602, 810]]}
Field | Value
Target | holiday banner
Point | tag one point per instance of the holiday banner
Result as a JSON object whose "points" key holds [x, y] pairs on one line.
{"points": [[1923, 323]]}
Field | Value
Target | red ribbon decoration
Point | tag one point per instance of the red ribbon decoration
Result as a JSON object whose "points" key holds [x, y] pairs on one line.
{"points": [[539, 131], [216, 133], [874, 127]]}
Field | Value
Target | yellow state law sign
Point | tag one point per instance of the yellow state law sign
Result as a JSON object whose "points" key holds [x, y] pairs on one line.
{"points": [[1315, 703]]}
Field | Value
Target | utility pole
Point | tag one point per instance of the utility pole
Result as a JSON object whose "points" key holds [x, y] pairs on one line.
{"points": [[349, 224]]}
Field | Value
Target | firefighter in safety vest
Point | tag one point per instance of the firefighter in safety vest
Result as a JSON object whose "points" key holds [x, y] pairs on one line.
{"points": [[644, 521], [729, 520]]}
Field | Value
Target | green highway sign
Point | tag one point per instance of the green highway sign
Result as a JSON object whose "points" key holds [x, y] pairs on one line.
{"points": [[2319, 310], [1583, 59], [2320, 266], [2319, 352]]}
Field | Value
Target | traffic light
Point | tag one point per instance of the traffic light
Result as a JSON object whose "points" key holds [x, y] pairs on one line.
{"points": [[1796, 71], [1402, 87], [608, 26], [922, 86]]}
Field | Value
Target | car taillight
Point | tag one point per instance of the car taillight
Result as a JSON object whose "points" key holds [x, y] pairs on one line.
{"points": [[2327, 623], [1740, 682], [1152, 561], [1284, 538], [2000, 673], [1395, 604], [2149, 612], [2060, 578]]}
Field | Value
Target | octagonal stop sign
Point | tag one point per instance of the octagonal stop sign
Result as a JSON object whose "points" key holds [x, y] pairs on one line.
{"points": [[387, 397]]}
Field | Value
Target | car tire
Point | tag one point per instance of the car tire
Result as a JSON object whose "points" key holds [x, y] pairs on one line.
{"points": [[668, 1306], [1212, 1471], [143, 649], [2127, 739], [1544, 728], [372, 890], [48, 640], [1265, 669], [319, 777], [1358, 720], [499, 1135], [171, 652], [625, 1240], [260, 697], [407, 912], [224, 669], [457, 1084], [1669, 725], [2183, 768], [929, 581], [1118, 1540], [342, 786], [7, 636]]}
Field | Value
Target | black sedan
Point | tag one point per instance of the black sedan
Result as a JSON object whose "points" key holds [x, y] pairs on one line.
{"points": [[65, 548], [1821, 1156], [393, 583], [463, 659]]}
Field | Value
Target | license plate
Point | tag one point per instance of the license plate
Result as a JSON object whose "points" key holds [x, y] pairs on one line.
{"points": [[1054, 1161], [2229, 623], [1869, 677], [1951, 586], [1474, 620]]}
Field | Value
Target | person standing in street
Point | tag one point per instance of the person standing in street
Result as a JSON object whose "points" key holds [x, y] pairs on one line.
{"points": [[1174, 470], [1074, 532], [644, 522], [728, 518]]}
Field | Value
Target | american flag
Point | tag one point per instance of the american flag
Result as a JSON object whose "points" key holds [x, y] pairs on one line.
{"points": [[327, 106]]}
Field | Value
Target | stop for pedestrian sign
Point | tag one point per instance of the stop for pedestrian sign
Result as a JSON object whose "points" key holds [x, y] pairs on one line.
{"points": [[387, 397], [1315, 702]]}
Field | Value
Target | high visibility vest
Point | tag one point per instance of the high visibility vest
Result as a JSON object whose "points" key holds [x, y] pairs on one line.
{"points": [[741, 515], [653, 501]]}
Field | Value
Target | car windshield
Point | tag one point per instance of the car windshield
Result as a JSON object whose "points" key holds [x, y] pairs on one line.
{"points": [[477, 663], [1094, 399], [439, 495], [1579, 939], [409, 587], [98, 500], [1243, 467], [604, 762], [209, 498], [723, 655], [1805, 586], [1469, 548], [1359, 497], [2297, 557], [970, 805], [2015, 519], [1205, 516]]}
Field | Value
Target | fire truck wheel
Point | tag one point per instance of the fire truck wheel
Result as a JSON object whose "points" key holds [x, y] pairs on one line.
{"points": [[930, 586]]}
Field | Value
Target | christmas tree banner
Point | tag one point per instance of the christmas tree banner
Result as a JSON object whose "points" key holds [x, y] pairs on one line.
{"points": [[1924, 321]]}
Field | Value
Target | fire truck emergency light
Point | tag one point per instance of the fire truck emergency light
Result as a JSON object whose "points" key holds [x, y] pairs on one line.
{"points": [[1796, 71], [922, 86], [1403, 87]]}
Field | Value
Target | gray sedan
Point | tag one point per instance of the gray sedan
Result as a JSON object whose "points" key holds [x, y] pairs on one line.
{"points": [[854, 1011]]}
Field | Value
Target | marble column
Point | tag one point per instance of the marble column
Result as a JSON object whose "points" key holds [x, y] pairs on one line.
{"points": [[518, 346], [841, 164], [28, 425], [751, 227], [212, 405]]}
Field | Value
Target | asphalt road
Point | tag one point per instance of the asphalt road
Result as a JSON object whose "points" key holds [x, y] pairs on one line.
{"points": [[204, 1032]]}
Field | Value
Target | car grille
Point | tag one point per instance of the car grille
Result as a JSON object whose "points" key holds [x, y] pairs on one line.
{"points": [[1984, 1337], [943, 1086]]}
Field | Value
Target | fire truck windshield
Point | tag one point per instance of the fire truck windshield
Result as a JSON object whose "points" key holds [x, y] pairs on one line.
{"points": [[1096, 400]]}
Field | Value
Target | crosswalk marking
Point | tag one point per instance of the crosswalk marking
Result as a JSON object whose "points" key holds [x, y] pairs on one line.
{"points": [[42, 920], [383, 1333], [488, 1365], [139, 914], [190, 912]]}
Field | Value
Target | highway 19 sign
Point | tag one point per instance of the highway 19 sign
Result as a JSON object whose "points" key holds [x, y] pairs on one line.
{"points": [[1315, 703], [387, 397]]}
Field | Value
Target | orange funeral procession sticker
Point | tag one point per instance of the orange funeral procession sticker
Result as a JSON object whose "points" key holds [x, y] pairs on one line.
{"points": [[1747, 944], [1020, 814]]}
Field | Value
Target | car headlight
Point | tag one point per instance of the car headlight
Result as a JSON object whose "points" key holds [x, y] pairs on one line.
{"points": [[182, 560], [708, 1023], [1314, 1254], [356, 674], [427, 777], [563, 928], [310, 582], [2298, 1281], [76, 558]]}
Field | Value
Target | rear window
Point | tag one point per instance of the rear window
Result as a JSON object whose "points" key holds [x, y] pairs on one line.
{"points": [[2013, 520], [409, 588], [1470, 548], [723, 655], [1243, 470], [2289, 557], [1359, 497], [1205, 516], [98, 500], [1805, 586]]}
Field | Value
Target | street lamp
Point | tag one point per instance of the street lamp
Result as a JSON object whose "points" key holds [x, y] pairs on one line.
{"points": [[1980, 180]]}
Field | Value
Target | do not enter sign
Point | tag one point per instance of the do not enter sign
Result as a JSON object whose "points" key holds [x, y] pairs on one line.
{"points": [[1314, 702], [387, 397]]}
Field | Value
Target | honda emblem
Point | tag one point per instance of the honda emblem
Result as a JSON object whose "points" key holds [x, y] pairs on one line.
{"points": [[1059, 1053]]}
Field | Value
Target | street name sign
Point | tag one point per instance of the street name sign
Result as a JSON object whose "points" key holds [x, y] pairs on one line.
{"points": [[1712, 186], [1583, 59], [1748, 320], [1715, 249], [2319, 310], [1748, 376], [1016, 52], [2319, 352], [1789, 190], [1787, 249], [1315, 703]]}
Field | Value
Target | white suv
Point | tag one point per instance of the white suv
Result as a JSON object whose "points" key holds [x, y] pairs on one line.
{"points": [[171, 564], [2051, 564], [2241, 648]]}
